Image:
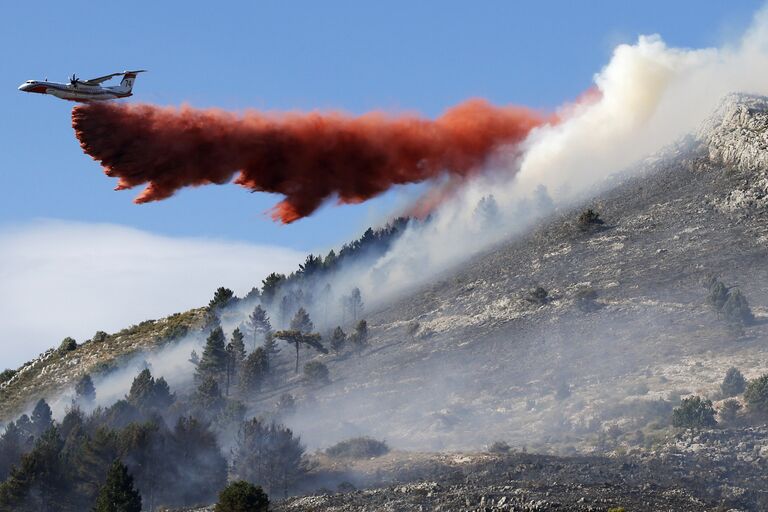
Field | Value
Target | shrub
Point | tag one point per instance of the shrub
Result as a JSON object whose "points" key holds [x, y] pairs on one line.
{"points": [[718, 294], [733, 383], [538, 295], [67, 345], [694, 412], [736, 308], [499, 447], [316, 372], [562, 391], [99, 337], [586, 299], [729, 411], [756, 395], [7, 375], [242, 496], [589, 220], [358, 448]]}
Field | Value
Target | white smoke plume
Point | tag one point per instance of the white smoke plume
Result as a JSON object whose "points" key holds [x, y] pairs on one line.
{"points": [[648, 96]]}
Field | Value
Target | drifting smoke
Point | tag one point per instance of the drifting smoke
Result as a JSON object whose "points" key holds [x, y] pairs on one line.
{"points": [[308, 158]]}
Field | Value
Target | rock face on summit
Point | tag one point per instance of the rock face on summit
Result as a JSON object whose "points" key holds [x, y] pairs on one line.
{"points": [[736, 137]]}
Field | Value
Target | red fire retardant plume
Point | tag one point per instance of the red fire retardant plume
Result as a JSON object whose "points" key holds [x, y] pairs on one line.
{"points": [[308, 158]]}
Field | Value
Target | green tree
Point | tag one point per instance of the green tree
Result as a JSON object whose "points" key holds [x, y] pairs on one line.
{"points": [[270, 286], [118, 493], [756, 396], [301, 322], [694, 412], [242, 496], [85, 392], [208, 397], [338, 339], [148, 394], [270, 346], [221, 299], [238, 347], [42, 419], [359, 337], [39, 482], [733, 383], [213, 362], [268, 454], [255, 370], [298, 338], [259, 323]]}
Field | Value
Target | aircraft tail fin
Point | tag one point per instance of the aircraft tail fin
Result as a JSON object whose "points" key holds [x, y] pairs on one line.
{"points": [[129, 77]]}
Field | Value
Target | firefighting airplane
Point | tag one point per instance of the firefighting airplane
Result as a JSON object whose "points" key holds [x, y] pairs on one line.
{"points": [[85, 90]]}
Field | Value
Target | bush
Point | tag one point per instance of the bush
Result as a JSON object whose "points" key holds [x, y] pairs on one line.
{"points": [[586, 299], [562, 390], [99, 337], [756, 395], [358, 448], [538, 295], [7, 375], [499, 447], [734, 383], [694, 412], [729, 411], [242, 496], [589, 220], [316, 372], [67, 345], [736, 308]]}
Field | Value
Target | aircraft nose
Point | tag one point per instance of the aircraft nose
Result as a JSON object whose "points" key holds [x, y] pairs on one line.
{"points": [[24, 87]]}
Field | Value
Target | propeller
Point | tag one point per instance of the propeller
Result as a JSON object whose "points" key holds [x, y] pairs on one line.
{"points": [[73, 79]]}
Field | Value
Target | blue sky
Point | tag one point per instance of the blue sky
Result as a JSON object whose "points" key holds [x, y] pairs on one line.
{"points": [[354, 56]]}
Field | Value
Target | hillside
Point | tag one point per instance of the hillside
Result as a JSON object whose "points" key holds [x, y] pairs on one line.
{"points": [[584, 373]]}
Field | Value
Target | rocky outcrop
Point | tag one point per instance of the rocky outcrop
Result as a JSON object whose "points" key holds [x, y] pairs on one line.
{"points": [[736, 136]]}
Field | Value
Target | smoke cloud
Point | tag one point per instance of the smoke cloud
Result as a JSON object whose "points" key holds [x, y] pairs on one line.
{"points": [[308, 158]]}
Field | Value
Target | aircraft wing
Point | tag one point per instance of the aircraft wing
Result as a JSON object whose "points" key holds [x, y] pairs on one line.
{"points": [[100, 79]]}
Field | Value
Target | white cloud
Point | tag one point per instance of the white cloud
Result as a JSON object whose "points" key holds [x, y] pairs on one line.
{"points": [[62, 279]]}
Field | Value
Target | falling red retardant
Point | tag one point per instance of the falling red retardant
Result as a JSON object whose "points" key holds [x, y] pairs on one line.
{"points": [[308, 158]]}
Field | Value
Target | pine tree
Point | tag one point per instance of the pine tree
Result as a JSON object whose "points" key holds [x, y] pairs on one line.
{"points": [[39, 482], [270, 347], [213, 362], [42, 419], [85, 392], [301, 322], [208, 397], [258, 321], [355, 303], [733, 383], [238, 349], [142, 388], [146, 393], [359, 338], [338, 339], [118, 493], [255, 369], [194, 358], [298, 338], [221, 299], [269, 287]]}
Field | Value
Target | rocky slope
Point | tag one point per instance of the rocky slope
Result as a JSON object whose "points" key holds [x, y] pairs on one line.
{"points": [[473, 358]]}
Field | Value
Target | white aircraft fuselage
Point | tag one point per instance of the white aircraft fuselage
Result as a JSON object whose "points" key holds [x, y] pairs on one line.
{"points": [[83, 91]]}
